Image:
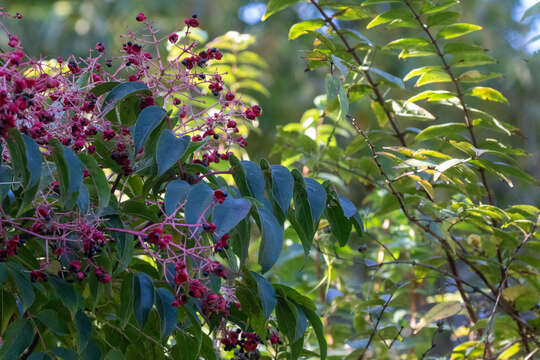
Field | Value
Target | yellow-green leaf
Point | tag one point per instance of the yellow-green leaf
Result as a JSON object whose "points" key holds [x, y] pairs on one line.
{"points": [[303, 28], [486, 93], [457, 30], [275, 6]]}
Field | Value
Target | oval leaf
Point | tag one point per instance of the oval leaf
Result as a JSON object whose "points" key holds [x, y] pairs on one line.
{"points": [[169, 150], [148, 120]]}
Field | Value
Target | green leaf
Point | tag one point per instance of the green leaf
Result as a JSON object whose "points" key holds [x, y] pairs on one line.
{"points": [[272, 237], [17, 152], [442, 167], [17, 338], [83, 200], [167, 313], [475, 76], [170, 149], [66, 293], [6, 178], [114, 354], [122, 91], [443, 130], [175, 194], [239, 175], [457, 30], [229, 214], [316, 197], [428, 75], [22, 279], [389, 78], [100, 181], [432, 96], [149, 118], [409, 43], [340, 226], [84, 329], [275, 6], [302, 213], [126, 299], [282, 186], [254, 178], [394, 15], [316, 323], [143, 297], [486, 93], [267, 294], [139, 209], [198, 200], [442, 18], [33, 159], [65, 354], [299, 29], [439, 312], [104, 87]]}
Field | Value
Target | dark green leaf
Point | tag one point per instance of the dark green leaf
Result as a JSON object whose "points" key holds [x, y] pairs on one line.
{"points": [[149, 118], [24, 285], [104, 87], [283, 185], [65, 292], [169, 150], [121, 91], [50, 319], [17, 152], [17, 338], [316, 323], [84, 328], [227, 215], [175, 194], [198, 201], [98, 177], [167, 313], [302, 212], [272, 237], [255, 179], [267, 294], [33, 159], [143, 297], [316, 197], [83, 200]]}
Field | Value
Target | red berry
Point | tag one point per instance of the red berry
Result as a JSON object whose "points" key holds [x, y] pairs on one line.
{"points": [[140, 17]]}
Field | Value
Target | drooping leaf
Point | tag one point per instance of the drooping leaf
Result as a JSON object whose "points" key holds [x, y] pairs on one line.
{"points": [[267, 294], [283, 185], [17, 338], [316, 197], [149, 118], [17, 152], [66, 293], [198, 200], [227, 215], [84, 328], [169, 150], [272, 237], [175, 194], [303, 218], [33, 159], [98, 177], [167, 313], [255, 179], [143, 297], [22, 280]]}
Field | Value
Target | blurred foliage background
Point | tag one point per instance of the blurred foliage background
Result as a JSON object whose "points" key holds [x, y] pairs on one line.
{"points": [[72, 27], [66, 27]]}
